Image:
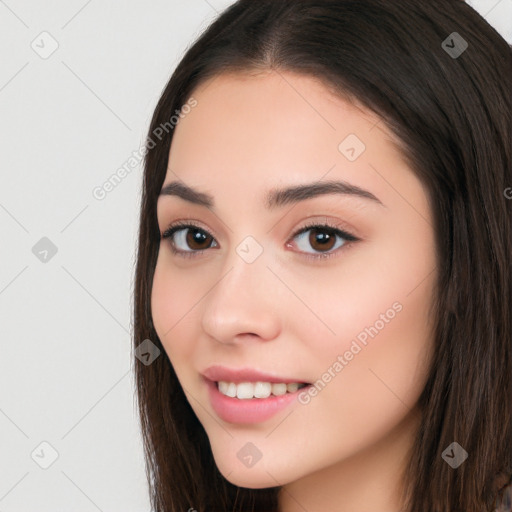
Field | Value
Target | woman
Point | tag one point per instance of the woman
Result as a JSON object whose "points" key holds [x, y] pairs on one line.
{"points": [[324, 261]]}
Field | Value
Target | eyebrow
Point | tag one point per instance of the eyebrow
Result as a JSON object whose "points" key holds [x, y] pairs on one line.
{"points": [[274, 198]]}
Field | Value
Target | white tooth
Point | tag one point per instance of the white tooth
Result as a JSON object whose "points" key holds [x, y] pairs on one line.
{"points": [[278, 388], [248, 390], [223, 386], [292, 387], [231, 391], [245, 390], [262, 389]]}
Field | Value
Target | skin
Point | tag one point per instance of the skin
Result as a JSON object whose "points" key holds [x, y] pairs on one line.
{"points": [[289, 315]]}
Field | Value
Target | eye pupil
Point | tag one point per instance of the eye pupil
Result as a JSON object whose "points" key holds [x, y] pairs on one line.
{"points": [[323, 237], [196, 236]]}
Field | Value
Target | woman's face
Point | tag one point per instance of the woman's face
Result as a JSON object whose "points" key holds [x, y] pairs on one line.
{"points": [[346, 312]]}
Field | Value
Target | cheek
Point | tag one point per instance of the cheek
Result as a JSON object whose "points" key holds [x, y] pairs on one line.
{"points": [[173, 297], [375, 333], [371, 376], [375, 294]]}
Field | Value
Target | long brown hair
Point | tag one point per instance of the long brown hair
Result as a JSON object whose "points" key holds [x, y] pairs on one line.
{"points": [[452, 114]]}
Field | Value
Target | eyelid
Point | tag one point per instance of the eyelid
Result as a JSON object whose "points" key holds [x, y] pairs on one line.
{"points": [[184, 223], [326, 222], [323, 221]]}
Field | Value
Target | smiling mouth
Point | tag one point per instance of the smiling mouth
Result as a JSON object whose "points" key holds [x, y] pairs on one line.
{"points": [[250, 390]]}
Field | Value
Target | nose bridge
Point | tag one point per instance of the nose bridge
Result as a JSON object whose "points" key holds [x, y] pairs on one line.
{"points": [[244, 268], [240, 301]]}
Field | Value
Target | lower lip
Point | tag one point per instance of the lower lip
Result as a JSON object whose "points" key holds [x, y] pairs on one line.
{"points": [[251, 410]]}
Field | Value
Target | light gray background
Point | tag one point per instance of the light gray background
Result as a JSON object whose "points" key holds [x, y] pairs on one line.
{"points": [[67, 123]]}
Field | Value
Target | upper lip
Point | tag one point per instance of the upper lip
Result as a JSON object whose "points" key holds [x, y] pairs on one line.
{"points": [[218, 373]]}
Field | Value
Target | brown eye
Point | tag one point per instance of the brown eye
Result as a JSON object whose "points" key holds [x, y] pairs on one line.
{"points": [[187, 238], [322, 239], [197, 238]]}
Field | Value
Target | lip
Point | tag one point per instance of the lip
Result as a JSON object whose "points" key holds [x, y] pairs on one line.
{"points": [[217, 372], [251, 410], [245, 411]]}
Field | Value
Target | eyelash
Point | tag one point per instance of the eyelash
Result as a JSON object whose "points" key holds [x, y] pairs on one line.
{"points": [[178, 226]]}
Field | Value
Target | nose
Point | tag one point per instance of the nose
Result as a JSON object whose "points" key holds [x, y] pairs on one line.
{"points": [[243, 304]]}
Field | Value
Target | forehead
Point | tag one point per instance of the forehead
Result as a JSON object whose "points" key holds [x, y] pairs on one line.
{"points": [[251, 132], [261, 98], [273, 111]]}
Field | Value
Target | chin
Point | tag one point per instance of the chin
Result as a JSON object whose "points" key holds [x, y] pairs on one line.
{"points": [[255, 477], [249, 480]]}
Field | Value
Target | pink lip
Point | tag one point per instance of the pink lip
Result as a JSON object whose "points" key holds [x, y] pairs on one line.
{"points": [[217, 372], [244, 411]]}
